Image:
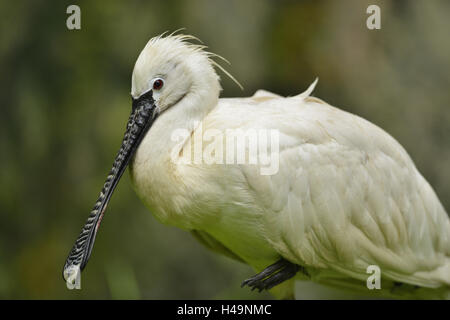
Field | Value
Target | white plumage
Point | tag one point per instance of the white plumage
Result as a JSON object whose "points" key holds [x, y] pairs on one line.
{"points": [[346, 194]]}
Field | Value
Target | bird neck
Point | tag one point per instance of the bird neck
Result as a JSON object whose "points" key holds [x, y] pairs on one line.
{"points": [[154, 174], [181, 119]]}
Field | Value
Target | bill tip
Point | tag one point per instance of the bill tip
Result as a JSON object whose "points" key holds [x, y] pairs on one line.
{"points": [[72, 275]]}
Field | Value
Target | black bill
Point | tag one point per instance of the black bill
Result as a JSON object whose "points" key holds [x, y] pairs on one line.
{"points": [[142, 116]]}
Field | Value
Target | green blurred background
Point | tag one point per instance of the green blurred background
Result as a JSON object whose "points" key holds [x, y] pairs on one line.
{"points": [[64, 99]]}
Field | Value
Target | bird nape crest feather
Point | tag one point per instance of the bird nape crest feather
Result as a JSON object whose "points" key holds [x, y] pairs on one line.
{"points": [[184, 41]]}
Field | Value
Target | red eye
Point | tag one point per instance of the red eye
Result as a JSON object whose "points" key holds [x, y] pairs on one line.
{"points": [[158, 84]]}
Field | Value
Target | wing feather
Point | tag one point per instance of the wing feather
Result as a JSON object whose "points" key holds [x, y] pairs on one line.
{"points": [[346, 195]]}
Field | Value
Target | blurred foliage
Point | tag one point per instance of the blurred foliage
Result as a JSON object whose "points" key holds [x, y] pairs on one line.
{"points": [[64, 98]]}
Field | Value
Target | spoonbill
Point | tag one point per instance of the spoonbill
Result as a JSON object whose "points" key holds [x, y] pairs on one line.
{"points": [[344, 194]]}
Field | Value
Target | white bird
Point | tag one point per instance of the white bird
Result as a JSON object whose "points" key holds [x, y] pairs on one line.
{"points": [[345, 194]]}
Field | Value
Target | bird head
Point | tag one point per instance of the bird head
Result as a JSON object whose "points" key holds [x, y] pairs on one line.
{"points": [[172, 68]]}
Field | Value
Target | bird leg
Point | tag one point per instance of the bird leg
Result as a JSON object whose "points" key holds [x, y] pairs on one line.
{"points": [[273, 275]]}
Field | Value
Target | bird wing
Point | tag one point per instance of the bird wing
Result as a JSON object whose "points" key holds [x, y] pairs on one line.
{"points": [[262, 95], [346, 194]]}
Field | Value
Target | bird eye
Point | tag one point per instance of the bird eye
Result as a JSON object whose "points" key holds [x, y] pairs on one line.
{"points": [[158, 84]]}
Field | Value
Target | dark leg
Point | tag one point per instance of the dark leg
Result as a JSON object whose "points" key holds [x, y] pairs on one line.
{"points": [[272, 275]]}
